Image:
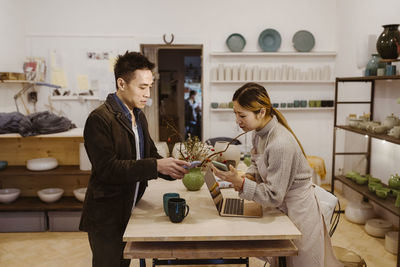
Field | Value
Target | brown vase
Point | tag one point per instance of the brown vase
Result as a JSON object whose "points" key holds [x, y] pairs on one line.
{"points": [[388, 44]]}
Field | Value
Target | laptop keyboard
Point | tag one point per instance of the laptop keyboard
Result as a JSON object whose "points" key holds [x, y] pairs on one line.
{"points": [[234, 206]]}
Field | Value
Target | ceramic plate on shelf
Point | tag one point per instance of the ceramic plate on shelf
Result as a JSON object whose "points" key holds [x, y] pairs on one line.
{"points": [[235, 42], [269, 40], [303, 41]]}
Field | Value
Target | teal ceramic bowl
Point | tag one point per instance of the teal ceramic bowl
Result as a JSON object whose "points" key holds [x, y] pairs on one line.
{"points": [[3, 164]]}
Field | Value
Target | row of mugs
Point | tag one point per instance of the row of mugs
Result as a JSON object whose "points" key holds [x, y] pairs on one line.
{"points": [[278, 73], [295, 104], [376, 127]]}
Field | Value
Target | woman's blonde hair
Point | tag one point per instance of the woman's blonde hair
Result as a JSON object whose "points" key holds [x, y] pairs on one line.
{"points": [[254, 97]]}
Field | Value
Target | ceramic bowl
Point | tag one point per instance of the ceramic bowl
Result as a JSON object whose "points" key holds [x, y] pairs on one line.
{"points": [[378, 227], [361, 180], [41, 164], [8, 195], [80, 193], [3, 164], [373, 186], [50, 195], [359, 212], [382, 192]]}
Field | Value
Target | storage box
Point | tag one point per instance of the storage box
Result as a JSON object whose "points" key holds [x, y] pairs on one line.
{"points": [[64, 221], [25, 221]]}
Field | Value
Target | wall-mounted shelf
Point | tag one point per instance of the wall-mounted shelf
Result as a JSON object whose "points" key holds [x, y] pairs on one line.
{"points": [[75, 98], [35, 204], [280, 109], [275, 54], [75, 132], [275, 81]]}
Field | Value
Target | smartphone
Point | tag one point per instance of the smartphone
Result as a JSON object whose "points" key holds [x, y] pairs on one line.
{"points": [[220, 166], [193, 164]]}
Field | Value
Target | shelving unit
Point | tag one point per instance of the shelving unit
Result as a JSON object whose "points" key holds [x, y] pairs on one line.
{"points": [[299, 86], [387, 204], [17, 150]]}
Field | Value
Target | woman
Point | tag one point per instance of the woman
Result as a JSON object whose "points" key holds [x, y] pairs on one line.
{"points": [[279, 175]]}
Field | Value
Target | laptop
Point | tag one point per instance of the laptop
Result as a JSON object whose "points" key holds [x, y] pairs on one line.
{"points": [[230, 207]]}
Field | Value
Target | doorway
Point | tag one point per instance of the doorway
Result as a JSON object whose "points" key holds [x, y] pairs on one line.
{"points": [[177, 93]]}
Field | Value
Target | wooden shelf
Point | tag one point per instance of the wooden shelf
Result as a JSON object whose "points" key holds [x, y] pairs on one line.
{"points": [[76, 132], [60, 170], [277, 81], [367, 78], [280, 109], [387, 203], [35, 204], [385, 137], [274, 54]]}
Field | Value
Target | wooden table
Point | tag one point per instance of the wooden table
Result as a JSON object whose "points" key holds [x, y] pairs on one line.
{"points": [[203, 234]]}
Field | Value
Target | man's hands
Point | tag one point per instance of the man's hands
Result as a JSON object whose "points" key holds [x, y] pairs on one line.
{"points": [[172, 167]]}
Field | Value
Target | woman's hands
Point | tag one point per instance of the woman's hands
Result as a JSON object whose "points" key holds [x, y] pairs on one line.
{"points": [[231, 176], [172, 167]]}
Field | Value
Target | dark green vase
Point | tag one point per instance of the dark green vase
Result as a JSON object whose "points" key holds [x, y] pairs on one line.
{"points": [[388, 44], [193, 180]]}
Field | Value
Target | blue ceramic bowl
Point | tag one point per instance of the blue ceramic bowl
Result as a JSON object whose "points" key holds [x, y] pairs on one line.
{"points": [[3, 164]]}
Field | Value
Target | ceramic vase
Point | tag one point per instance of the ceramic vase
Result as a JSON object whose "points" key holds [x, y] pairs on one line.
{"points": [[373, 65], [232, 153], [388, 44], [193, 180]]}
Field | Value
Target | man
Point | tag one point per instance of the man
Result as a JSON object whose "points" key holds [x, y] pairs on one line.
{"points": [[190, 114], [123, 158]]}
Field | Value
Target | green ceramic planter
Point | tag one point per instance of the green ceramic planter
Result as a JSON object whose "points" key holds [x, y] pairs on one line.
{"points": [[394, 181], [193, 180], [382, 192], [361, 180], [373, 186]]}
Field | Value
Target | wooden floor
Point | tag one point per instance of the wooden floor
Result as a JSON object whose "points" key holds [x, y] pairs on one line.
{"points": [[59, 249]]}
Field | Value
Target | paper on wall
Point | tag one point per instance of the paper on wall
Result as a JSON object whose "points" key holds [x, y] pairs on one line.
{"points": [[83, 82]]}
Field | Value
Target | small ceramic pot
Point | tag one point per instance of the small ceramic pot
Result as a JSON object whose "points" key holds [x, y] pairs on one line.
{"points": [[214, 104], [395, 132], [391, 121], [379, 129], [394, 181], [373, 186], [283, 105], [382, 192], [361, 180]]}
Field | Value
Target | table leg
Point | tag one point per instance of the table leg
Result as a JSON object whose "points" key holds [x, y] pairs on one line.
{"points": [[282, 261], [142, 262]]}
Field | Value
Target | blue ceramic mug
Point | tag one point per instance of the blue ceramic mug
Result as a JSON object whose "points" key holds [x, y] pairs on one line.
{"points": [[166, 197]]}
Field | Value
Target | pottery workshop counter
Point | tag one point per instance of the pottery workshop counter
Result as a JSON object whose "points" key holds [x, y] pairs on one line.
{"points": [[203, 234]]}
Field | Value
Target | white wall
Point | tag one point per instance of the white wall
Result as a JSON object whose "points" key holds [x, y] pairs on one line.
{"points": [[12, 35]]}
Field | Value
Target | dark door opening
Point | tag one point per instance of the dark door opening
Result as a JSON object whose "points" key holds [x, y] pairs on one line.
{"points": [[180, 98]]}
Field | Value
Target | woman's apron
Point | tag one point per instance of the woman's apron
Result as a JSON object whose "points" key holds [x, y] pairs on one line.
{"points": [[302, 207]]}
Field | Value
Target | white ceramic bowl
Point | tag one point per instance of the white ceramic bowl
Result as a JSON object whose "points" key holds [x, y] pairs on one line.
{"points": [[359, 212], [8, 195], [41, 164], [378, 227], [50, 195], [80, 193]]}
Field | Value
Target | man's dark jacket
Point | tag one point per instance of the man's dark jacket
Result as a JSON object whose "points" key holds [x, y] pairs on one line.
{"points": [[110, 144]]}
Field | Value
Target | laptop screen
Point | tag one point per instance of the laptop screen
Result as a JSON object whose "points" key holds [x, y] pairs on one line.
{"points": [[214, 189]]}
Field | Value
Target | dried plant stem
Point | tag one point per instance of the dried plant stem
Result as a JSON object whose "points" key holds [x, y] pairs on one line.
{"points": [[216, 153]]}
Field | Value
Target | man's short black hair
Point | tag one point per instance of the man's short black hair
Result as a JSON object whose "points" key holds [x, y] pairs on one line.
{"points": [[126, 65], [192, 92]]}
